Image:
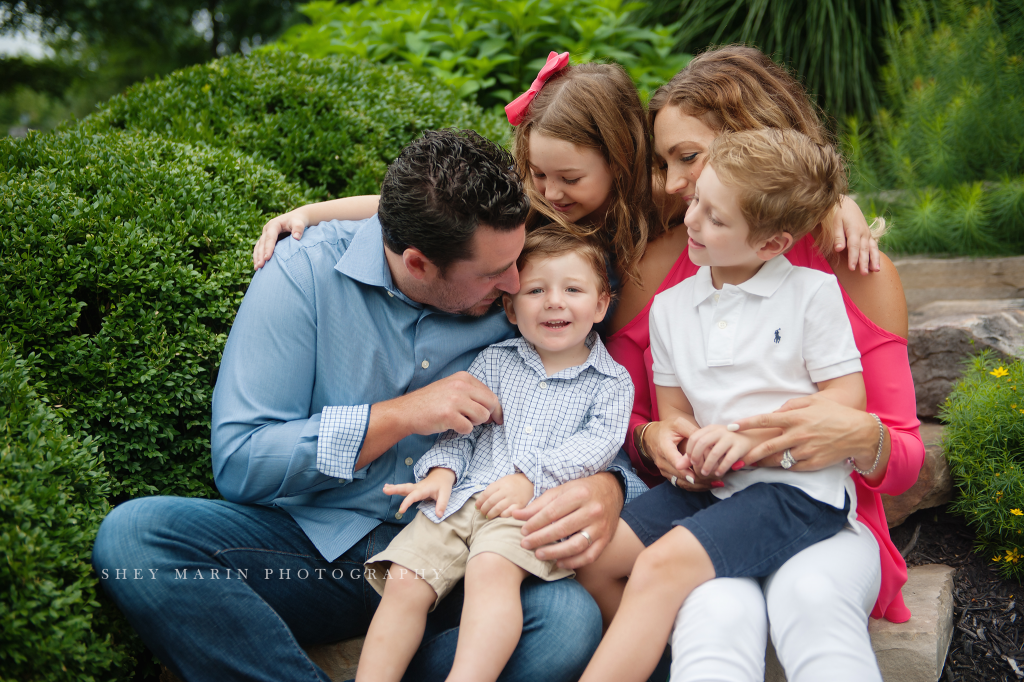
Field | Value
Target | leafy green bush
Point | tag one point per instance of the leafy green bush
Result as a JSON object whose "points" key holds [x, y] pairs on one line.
{"points": [[332, 124], [984, 443], [52, 500], [122, 264], [488, 49], [953, 143]]}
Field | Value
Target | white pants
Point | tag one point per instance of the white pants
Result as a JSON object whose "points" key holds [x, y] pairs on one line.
{"points": [[818, 605]]}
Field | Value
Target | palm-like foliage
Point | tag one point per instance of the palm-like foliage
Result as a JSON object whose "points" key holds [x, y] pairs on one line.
{"points": [[834, 45]]}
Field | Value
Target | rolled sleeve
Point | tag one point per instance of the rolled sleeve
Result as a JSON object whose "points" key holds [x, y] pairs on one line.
{"points": [[451, 451], [340, 439]]}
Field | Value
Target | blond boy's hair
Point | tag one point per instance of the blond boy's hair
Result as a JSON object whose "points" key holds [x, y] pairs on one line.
{"points": [[553, 240], [786, 181]]}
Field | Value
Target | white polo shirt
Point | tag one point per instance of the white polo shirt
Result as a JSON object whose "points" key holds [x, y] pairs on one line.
{"points": [[761, 343]]}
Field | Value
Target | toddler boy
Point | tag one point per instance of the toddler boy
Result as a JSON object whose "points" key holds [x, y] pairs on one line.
{"points": [[566, 407]]}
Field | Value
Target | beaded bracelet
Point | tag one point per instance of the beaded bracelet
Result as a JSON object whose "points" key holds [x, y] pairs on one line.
{"points": [[878, 455]]}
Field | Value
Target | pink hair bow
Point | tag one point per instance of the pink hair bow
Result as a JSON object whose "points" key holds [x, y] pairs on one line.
{"points": [[516, 109]]}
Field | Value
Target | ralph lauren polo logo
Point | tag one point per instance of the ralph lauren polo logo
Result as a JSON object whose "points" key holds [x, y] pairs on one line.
{"points": [[778, 335]]}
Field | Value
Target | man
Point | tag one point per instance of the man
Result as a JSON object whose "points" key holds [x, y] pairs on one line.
{"points": [[345, 359]]}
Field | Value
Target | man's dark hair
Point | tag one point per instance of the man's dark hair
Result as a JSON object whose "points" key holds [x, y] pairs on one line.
{"points": [[441, 187]]}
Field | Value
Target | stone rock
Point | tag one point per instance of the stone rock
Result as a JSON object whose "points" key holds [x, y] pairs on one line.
{"points": [[949, 279], [934, 486], [914, 651], [944, 333]]}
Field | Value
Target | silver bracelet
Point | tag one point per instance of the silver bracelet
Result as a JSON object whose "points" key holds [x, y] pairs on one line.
{"points": [[878, 455]]}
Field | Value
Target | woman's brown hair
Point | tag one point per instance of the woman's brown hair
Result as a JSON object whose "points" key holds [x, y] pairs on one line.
{"points": [[738, 88], [597, 106]]}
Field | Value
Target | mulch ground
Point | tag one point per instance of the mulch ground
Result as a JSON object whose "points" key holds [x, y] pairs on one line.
{"points": [[988, 616]]}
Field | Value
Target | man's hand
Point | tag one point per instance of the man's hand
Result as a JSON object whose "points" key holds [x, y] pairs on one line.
{"points": [[458, 402], [589, 504], [505, 495], [713, 450], [437, 485]]}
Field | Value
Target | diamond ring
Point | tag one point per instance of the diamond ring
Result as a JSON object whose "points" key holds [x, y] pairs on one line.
{"points": [[787, 459]]}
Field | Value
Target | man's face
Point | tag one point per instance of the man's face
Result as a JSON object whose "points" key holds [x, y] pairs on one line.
{"points": [[470, 287]]}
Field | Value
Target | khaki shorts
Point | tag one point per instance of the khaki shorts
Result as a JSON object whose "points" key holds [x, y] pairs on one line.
{"points": [[439, 552]]}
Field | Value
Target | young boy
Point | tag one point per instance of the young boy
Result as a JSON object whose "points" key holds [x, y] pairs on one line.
{"points": [[747, 333], [566, 408]]}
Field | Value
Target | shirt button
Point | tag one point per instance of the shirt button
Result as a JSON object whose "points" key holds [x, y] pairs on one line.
{"points": [[341, 480], [425, 364], [716, 297], [528, 429], [408, 461], [723, 324], [398, 515], [392, 295], [543, 384]]}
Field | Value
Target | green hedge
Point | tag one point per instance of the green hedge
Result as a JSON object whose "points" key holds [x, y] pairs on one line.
{"points": [[984, 443], [122, 266], [333, 124], [52, 500]]}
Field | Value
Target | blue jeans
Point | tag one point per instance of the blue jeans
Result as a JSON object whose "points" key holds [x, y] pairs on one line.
{"points": [[223, 591]]}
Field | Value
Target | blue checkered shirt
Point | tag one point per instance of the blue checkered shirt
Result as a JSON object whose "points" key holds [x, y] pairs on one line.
{"points": [[556, 429]]}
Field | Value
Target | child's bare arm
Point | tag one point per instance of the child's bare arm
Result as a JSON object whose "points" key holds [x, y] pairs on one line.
{"points": [[846, 390]]}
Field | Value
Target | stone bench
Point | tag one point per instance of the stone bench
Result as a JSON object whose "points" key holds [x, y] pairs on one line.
{"points": [[914, 651]]}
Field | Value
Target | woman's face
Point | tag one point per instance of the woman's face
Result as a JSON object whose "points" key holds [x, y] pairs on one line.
{"points": [[681, 144], [576, 181]]}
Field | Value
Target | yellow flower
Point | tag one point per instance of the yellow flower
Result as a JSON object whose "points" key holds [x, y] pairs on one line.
{"points": [[996, 558], [1017, 512], [999, 372]]}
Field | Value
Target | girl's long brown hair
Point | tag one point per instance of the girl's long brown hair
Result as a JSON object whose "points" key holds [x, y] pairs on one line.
{"points": [[597, 106]]}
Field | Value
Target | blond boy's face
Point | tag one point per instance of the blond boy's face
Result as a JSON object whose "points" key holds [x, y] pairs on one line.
{"points": [[716, 227], [559, 301]]}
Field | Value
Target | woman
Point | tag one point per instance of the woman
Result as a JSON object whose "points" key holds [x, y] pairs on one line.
{"points": [[819, 601]]}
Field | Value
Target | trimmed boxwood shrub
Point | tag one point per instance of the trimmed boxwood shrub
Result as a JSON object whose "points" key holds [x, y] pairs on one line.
{"points": [[122, 264], [984, 443], [333, 124], [52, 500]]}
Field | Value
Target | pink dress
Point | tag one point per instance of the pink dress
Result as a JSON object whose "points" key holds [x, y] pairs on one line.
{"points": [[890, 395]]}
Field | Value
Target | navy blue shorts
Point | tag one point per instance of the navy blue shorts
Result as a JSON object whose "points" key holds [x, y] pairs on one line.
{"points": [[748, 535]]}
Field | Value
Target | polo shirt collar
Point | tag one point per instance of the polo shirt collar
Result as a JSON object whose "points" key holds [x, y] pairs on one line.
{"points": [[364, 260], [764, 284]]}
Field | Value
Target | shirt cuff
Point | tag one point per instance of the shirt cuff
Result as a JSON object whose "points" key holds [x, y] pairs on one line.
{"points": [[438, 458], [342, 432], [633, 487]]}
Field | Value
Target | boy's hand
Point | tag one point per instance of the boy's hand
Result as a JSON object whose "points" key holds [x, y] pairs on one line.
{"points": [[713, 450], [504, 495], [437, 485]]}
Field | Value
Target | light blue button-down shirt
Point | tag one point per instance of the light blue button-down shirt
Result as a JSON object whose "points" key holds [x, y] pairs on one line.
{"points": [[323, 325]]}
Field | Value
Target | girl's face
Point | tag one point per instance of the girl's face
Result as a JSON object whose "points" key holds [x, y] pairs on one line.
{"points": [[681, 144], [576, 181]]}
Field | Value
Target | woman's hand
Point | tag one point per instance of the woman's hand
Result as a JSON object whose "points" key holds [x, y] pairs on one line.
{"points": [[819, 433], [662, 441], [295, 222], [853, 234]]}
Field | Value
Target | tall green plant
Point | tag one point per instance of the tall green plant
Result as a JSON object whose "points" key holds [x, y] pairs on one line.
{"points": [[488, 49], [833, 44], [945, 161]]}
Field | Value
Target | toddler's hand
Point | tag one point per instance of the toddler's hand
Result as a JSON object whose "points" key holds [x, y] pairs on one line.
{"points": [[714, 450], [504, 495], [437, 485]]}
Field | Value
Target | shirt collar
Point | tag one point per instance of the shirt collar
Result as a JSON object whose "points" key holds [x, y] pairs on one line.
{"points": [[364, 259], [765, 283], [599, 358]]}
